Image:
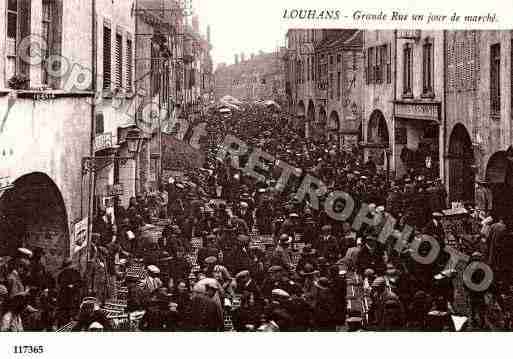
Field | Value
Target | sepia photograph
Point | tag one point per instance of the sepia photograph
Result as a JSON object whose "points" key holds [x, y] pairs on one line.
{"points": [[167, 167]]}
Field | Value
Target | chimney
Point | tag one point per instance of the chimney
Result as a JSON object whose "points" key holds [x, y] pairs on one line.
{"points": [[236, 59], [241, 57], [195, 23], [208, 34]]}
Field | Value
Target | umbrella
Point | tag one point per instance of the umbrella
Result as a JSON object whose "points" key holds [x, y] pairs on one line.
{"points": [[273, 104]]}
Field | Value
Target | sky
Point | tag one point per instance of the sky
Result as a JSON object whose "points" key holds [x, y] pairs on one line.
{"points": [[240, 26]]}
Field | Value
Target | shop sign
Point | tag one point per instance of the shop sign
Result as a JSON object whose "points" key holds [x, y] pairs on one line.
{"points": [[408, 34], [115, 190], [102, 141], [419, 111], [80, 235]]}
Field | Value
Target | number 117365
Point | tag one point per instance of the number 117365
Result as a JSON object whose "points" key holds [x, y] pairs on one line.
{"points": [[28, 349]]}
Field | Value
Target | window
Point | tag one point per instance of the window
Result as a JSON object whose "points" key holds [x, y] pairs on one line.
{"points": [[378, 67], [407, 70], [119, 61], [312, 68], [129, 61], [18, 27], [46, 34], [427, 68], [155, 70], [331, 86], [339, 59], [12, 31], [339, 79], [495, 79], [371, 63], [308, 68], [99, 126], [331, 59], [106, 58], [389, 64]]}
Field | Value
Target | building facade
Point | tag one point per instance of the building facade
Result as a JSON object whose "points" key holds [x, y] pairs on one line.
{"points": [[259, 77], [479, 114], [45, 126], [324, 83], [404, 97]]}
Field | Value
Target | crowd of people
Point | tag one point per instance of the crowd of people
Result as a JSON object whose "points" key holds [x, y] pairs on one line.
{"points": [[268, 260]]}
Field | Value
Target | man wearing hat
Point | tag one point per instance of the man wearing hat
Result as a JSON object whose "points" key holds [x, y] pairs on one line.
{"points": [[152, 281], [272, 281], [325, 306], [243, 212], [282, 254], [69, 283], [209, 249], [15, 279], [308, 256], [239, 257], [434, 228], [327, 245]]}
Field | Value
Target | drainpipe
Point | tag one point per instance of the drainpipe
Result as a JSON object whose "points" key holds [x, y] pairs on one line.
{"points": [[92, 173], [392, 145], [444, 104]]}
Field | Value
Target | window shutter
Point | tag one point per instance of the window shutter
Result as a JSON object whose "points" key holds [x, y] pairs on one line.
{"points": [[106, 58], [129, 60], [119, 61], [24, 31]]}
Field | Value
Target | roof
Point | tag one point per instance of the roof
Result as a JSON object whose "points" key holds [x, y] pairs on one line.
{"points": [[346, 38]]}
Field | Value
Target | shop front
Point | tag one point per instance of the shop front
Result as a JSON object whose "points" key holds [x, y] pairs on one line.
{"points": [[416, 135]]}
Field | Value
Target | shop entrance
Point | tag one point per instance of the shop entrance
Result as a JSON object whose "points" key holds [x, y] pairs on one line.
{"points": [[461, 161], [334, 129], [33, 214], [499, 175], [377, 138]]}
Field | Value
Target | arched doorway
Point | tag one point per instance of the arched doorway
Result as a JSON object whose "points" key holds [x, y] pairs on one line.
{"points": [[499, 176], [334, 129], [33, 214], [378, 139], [310, 118], [300, 113], [461, 162], [377, 130]]}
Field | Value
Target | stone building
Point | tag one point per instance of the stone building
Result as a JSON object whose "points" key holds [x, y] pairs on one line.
{"points": [[324, 82], [259, 77], [479, 114], [45, 124], [404, 94]]}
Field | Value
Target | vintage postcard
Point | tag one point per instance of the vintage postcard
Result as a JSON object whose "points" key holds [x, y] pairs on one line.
{"points": [[232, 166]]}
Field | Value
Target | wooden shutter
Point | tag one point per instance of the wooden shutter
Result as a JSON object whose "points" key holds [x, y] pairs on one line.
{"points": [[119, 61], [24, 31], [129, 60], [107, 60]]}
